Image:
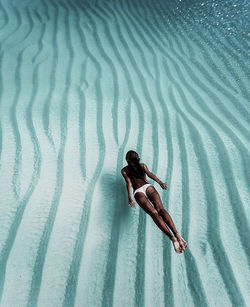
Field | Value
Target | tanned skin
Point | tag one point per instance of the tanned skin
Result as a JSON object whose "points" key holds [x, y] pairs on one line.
{"points": [[158, 213]]}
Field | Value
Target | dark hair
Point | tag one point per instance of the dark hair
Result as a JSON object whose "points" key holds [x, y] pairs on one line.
{"points": [[135, 168]]}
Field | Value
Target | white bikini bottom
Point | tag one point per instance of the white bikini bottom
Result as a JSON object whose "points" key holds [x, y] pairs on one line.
{"points": [[143, 189]]}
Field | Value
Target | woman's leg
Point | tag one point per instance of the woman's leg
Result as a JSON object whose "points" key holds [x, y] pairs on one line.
{"points": [[154, 197], [146, 206]]}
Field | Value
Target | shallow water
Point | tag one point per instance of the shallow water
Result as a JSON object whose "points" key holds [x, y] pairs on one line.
{"points": [[82, 82]]}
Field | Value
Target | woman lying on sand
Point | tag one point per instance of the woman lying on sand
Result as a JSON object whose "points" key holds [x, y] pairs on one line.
{"points": [[135, 176]]}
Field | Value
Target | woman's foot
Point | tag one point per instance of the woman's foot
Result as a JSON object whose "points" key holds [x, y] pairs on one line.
{"points": [[177, 246], [182, 242]]}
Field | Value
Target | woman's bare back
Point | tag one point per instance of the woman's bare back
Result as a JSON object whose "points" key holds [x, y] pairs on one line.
{"points": [[136, 182]]}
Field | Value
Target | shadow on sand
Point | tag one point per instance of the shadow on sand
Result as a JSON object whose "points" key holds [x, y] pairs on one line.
{"points": [[115, 194]]}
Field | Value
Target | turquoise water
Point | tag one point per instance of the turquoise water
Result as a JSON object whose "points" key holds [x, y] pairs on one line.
{"points": [[83, 82]]}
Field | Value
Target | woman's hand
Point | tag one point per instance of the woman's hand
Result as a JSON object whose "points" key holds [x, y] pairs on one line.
{"points": [[131, 202], [164, 186]]}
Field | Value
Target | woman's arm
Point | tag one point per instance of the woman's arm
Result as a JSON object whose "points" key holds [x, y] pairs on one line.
{"points": [[129, 188], [152, 176]]}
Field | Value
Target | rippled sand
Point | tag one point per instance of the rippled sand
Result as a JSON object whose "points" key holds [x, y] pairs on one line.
{"points": [[83, 82]]}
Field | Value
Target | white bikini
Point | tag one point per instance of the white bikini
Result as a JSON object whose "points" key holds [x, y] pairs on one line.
{"points": [[143, 189]]}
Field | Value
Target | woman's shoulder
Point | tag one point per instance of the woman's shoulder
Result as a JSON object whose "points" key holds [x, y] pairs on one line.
{"points": [[124, 169]]}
